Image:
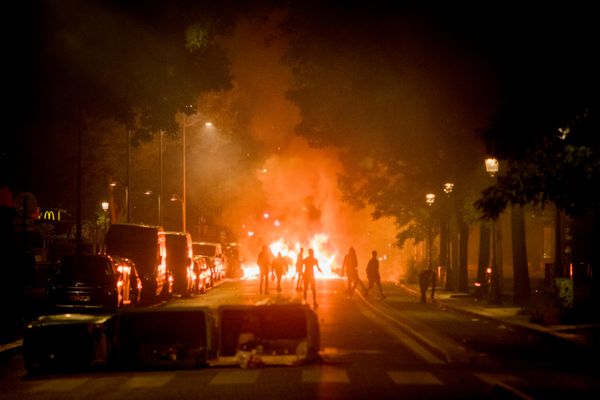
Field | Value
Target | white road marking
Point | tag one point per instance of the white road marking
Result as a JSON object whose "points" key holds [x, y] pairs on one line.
{"points": [[59, 385], [417, 348], [324, 375], [235, 377], [148, 381], [414, 378], [334, 351], [500, 381]]}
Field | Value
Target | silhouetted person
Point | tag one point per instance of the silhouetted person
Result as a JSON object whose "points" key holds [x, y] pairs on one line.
{"points": [[299, 261], [426, 279], [308, 275], [373, 274], [264, 261], [279, 264], [350, 268]]}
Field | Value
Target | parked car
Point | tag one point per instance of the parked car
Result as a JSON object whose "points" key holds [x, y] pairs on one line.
{"points": [[214, 254], [93, 282], [202, 277], [179, 262], [145, 245]]}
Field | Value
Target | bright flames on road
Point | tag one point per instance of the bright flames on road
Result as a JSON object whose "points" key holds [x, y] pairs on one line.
{"points": [[290, 252]]}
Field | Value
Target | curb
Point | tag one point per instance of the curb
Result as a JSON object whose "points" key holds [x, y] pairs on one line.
{"points": [[564, 337]]}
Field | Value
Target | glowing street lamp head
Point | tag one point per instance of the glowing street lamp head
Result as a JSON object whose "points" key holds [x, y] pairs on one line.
{"points": [[448, 186], [105, 206], [491, 166], [429, 198]]}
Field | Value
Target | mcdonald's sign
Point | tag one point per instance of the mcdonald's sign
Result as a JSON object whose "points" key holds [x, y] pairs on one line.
{"points": [[51, 214]]}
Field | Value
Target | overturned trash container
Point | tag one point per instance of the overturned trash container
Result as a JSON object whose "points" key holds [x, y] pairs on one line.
{"points": [[69, 342], [169, 338], [281, 334]]}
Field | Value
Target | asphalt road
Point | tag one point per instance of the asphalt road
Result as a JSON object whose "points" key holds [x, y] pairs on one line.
{"points": [[370, 348]]}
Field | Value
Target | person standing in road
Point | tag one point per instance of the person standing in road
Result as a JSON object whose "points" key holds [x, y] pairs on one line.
{"points": [[373, 274], [426, 279], [299, 261], [264, 261], [279, 264], [350, 268], [310, 263]]}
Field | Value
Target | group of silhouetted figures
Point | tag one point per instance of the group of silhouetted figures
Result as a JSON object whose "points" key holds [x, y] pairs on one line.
{"points": [[305, 273], [350, 268]]}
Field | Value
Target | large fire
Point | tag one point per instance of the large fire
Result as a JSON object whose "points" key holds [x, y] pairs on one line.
{"points": [[290, 251]]}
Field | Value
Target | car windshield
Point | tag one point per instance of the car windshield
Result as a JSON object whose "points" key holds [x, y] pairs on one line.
{"points": [[85, 268]]}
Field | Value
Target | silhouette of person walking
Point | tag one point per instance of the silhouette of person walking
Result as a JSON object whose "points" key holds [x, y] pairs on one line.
{"points": [[373, 274], [426, 279], [299, 262], [350, 268], [279, 264], [264, 261], [310, 263]]}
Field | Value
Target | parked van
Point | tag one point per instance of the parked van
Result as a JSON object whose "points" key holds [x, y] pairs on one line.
{"points": [[145, 245], [214, 255], [179, 262]]}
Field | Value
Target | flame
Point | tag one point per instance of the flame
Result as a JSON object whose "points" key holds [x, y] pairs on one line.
{"points": [[290, 251]]}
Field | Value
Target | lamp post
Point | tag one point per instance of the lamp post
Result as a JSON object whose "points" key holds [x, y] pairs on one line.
{"points": [[430, 199], [150, 193], [111, 201], [160, 191], [105, 206], [183, 198], [445, 238], [184, 177], [175, 198], [495, 297]]}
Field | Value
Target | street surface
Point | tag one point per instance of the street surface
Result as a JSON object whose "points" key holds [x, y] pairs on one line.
{"points": [[370, 349]]}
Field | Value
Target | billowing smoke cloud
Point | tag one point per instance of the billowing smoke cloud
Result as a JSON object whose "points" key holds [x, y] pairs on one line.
{"points": [[298, 197]]}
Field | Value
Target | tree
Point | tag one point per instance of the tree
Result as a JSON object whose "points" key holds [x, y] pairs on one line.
{"points": [[131, 62], [546, 132], [388, 101]]}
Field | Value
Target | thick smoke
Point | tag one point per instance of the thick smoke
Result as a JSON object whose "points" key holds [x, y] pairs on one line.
{"points": [[298, 196]]}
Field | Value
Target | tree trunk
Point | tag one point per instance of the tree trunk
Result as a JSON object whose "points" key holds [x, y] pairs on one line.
{"points": [[463, 276], [520, 267], [484, 252], [500, 258]]}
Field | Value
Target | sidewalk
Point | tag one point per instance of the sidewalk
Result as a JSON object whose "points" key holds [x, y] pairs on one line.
{"points": [[509, 314]]}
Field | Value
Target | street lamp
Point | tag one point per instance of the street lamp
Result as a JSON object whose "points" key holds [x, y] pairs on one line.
{"points": [[175, 198], [495, 296], [430, 199], [111, 201], [183, 200], [491, 166], [105, 206], [448, 186], [445, 239], [150, 193]]}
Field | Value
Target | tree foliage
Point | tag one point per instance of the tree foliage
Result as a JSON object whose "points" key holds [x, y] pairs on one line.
{"points": [[383, 88], [560, 169], [546, 131]]}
